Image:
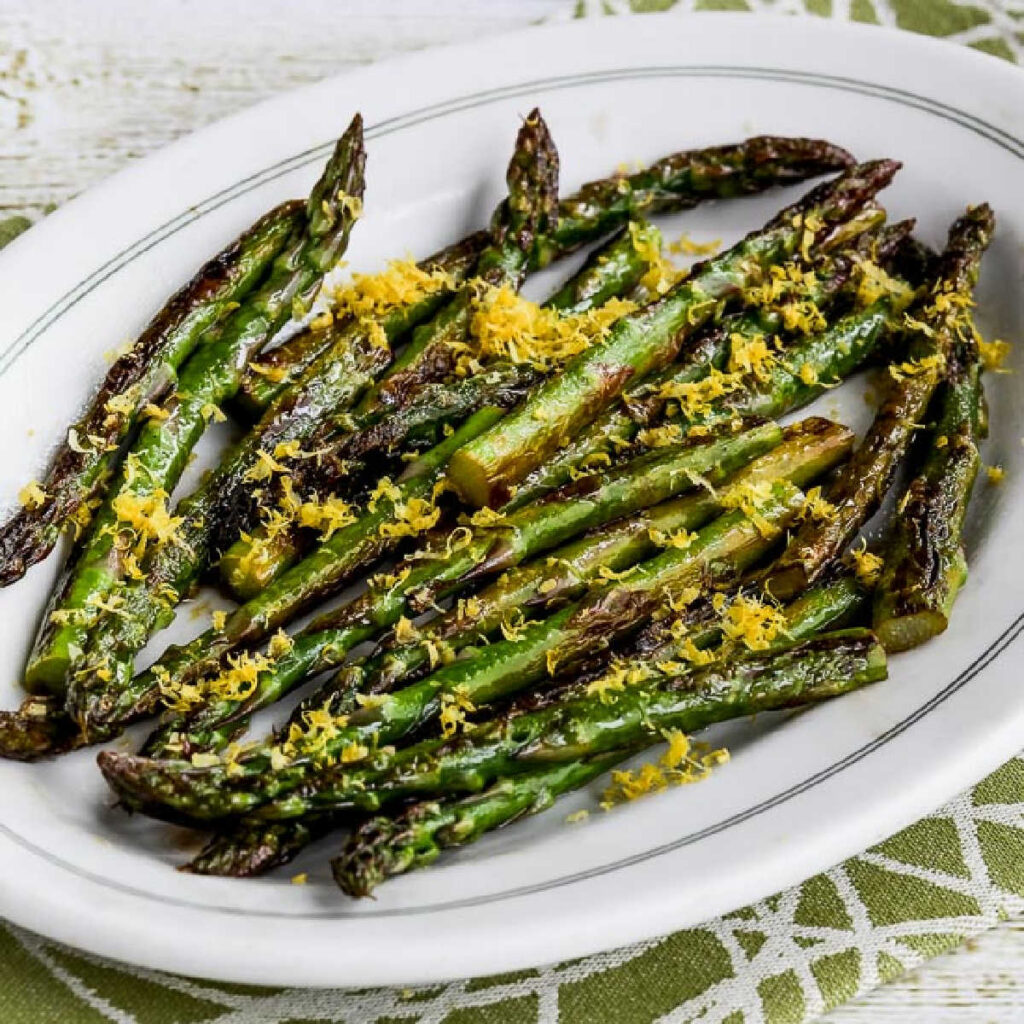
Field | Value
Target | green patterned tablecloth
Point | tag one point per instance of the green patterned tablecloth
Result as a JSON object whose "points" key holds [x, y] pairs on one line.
{"points": [[785, 960]]}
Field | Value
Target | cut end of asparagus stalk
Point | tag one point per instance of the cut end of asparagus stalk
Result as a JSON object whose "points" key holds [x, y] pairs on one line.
{"points": [[37, 730], [909, 631]]}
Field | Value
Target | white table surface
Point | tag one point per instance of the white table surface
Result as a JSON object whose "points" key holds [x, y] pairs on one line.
{"points": [[87, 86]]}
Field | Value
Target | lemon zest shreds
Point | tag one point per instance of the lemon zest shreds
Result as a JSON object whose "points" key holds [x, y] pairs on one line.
{"points": [[120, 405], [915, 367], [280, 644], [405, 631], [313, 736], [385, 488], [815, 506], [995, 474], [275, 374], [218, 620], [661, 274], [680, 538], [412, 517], [753, 623], [213, 412], [993, 353], [867, 566], [155, 412], [875, 283], [353, 752], [485, 517], [688, 247], [751, 355], [682, 763], [401, 283], [696, 396], [147, 515], [607, 573], [326, 517], [749, 497], [661, 437], [618, 677], [808, 374], [513, 625], [504, 325], [454, 706], [32, 496]]}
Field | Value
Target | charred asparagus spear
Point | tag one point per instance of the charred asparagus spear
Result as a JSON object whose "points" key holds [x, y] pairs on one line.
{"points": [[446, 567], [207, 379], [383, 847], [925, 564], [485, 471], [856, 494], [143, 375], [676, 182], [174, 567], [252, 563], [251, 848], [716, 553]]}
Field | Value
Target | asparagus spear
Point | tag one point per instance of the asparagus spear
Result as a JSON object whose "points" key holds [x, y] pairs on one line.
{"points": [[254, 847], [682, 181], [444, 568], [485, 470], [209, 377], [809, 670], [801, 674], [250, 565], [856, 494], [716, 553], [925, 564], [566, 574], [383, 847], [173, 568], [142, 375], [676, 182], [644, 402]]}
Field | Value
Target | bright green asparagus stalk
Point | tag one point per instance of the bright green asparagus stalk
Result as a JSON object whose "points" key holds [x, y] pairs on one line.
{"points": [[565, 575], [809, 365], [676, 182], [143, 375], [400, 509], [251, 564], [383, 847], [857, 492], [717, 553], [446, 567], [207, 379], [925, 565], [252, 848], [427, 290], [801, 674], [171, 571], [645, 341]]}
